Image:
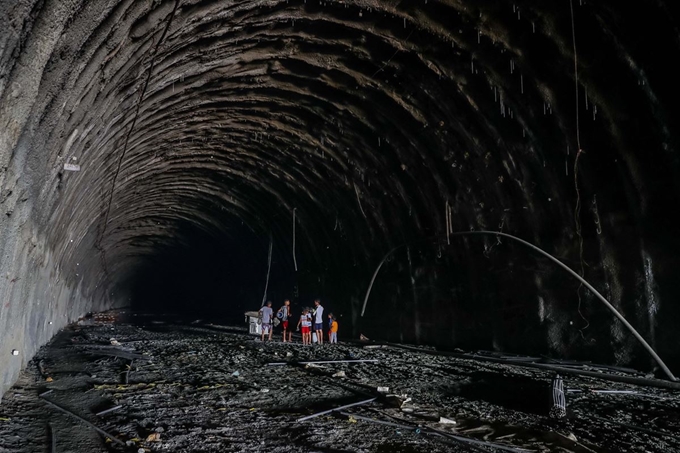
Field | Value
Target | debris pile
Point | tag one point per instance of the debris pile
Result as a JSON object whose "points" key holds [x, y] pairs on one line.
{"points": [[203, 387]]}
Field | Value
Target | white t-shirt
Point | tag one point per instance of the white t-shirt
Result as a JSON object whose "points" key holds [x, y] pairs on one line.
{"points": [[306, 320], [266, 315], [318, 319]]}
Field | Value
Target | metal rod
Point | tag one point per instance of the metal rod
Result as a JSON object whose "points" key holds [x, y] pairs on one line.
{"points": [[341, 361], [475, 442], [100, 431], [318, 414], [114, 408], [659, 383], [611, 308], [625, 392], [380, 422], [418, 429], [323, 362]]}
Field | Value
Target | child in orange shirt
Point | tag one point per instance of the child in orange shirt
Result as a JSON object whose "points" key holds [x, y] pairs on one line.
{"points": [[333, 332]]}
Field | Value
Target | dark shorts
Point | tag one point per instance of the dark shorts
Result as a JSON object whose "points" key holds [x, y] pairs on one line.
{"points": [[285, 325], [318, 326]]}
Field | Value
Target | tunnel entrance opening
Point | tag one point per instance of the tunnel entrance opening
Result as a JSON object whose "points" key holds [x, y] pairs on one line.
{"points": [[200, 274]]}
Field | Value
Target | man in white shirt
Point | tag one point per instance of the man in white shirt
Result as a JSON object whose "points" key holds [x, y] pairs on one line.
{"points": [[318, 320], [266, 314]]}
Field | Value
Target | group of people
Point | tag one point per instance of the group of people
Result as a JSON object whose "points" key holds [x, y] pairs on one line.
{"points": [[310, 320]]}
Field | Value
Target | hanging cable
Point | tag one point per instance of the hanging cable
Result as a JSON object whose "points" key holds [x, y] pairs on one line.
{"points": [[269, 268], [577, 210], [551, 258], [294, 259], [448, 226]]}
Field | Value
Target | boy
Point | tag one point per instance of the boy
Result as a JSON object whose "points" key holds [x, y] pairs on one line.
{"points": [[266, 314], [285, 314]]}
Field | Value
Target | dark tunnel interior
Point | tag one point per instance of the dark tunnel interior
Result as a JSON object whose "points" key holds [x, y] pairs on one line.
{"points": [[152, 151]]}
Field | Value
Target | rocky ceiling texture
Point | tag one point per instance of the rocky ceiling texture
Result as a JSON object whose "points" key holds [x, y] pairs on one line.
{"points": [[338, 130]]}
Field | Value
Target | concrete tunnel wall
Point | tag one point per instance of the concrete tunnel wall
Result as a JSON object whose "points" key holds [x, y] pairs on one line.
{"points": [[201, 126]]}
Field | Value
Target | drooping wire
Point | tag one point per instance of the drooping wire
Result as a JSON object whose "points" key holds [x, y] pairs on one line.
{"points": [[542, 252], [294, 259], [577, 209], [107, 210], [573, 40], [269, 268]]}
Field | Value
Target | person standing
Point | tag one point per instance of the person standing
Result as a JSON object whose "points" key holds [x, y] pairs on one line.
{"points": [[284, 314], [318, 320], [267, 315], [333, 329], [306, 323]]}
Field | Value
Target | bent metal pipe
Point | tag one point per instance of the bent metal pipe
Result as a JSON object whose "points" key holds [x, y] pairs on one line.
{"points": [[602, 299]]}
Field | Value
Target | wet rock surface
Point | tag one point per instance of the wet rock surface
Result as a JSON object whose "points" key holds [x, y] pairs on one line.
{"points": [[163, 385]]}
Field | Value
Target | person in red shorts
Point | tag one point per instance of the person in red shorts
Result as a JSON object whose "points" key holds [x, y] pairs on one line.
{"points": [[306, 323], [284, 315]]}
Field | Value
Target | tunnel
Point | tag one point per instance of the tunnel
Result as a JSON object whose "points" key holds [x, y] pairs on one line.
{"points": [[200, 157]]}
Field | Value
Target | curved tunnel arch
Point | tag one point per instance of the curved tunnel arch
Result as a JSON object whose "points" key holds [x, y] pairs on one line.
{"points": [[366, 117]]}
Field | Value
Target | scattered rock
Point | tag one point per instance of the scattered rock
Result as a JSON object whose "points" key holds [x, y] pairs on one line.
{"points": [[154, 437], [446, 421], [397, 400]]}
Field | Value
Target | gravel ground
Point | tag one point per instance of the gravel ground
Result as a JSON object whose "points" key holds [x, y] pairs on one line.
{"points": [[203, 387]]}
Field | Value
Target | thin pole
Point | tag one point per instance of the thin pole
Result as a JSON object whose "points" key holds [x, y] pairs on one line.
{"points": [[611, 308], [114, 408], [100, 431], [324, 362], [318, 414]]}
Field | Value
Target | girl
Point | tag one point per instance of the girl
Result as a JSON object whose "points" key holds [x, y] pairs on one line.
{"points": [[306, 323]]}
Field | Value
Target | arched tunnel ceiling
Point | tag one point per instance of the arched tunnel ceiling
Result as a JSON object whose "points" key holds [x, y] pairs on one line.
{"points": [[366, 117]]}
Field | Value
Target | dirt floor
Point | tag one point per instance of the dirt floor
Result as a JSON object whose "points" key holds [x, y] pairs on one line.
{"points": [[203, 387]]}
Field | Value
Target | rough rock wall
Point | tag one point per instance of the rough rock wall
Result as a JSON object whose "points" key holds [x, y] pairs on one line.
{"points": [[363, 120]]}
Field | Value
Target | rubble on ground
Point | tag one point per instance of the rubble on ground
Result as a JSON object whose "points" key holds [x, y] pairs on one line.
{"points": [[174, 387]]}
